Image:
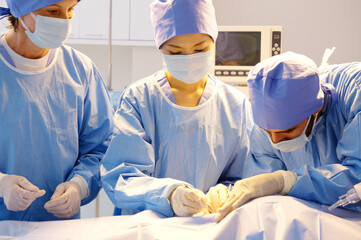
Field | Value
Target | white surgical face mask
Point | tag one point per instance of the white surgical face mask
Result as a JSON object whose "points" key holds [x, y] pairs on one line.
{"points": [[49, 32], [189, 68], [296, 143]]}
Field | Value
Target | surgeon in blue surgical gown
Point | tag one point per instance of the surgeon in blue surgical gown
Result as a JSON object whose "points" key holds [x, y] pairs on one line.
{"points": [[55, 115], [179, 131], [307, 135]]}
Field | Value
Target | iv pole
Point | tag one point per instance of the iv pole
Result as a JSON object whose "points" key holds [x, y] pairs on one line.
{"points": [[97, 201], [110, 46]]}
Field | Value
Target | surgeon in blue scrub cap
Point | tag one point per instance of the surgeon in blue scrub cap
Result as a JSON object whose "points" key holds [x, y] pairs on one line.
{"points": [[55, 115], [306, 141], [179, 132]]}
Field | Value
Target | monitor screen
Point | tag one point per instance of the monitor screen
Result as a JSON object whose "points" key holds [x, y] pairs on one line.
{"points": [[238, 48]]}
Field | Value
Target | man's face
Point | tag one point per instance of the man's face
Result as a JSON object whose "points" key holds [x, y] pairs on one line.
{"points": [[287, 134]]}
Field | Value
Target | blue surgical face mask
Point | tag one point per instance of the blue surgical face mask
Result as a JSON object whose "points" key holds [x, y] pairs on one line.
{"points": [[189, 68], [49, 32], [295, 143]]}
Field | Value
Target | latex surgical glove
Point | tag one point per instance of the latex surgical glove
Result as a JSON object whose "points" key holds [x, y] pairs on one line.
{"points": [[279, 182], [18, 192], [216, 197], [186, 201], [65, 201]]}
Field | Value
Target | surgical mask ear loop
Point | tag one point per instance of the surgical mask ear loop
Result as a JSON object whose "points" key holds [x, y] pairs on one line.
{"points": [[23, 23]]}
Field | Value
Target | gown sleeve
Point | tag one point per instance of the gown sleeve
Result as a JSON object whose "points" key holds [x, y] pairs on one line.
{"points": [[96, 126], [128, 166]]}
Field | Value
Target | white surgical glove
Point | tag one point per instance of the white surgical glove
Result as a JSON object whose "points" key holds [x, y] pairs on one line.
{"points": [[18, 192], [67, 197], [279, 182], [187, 201], [216, 197]]}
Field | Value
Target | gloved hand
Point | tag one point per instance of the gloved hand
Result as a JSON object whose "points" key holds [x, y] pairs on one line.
{"points": [[187, 201], [279, 182], [65, 201], [18, 192], [216, 197]]}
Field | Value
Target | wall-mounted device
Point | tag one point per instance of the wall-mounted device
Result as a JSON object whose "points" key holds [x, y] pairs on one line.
{"points": [[239, 48]]}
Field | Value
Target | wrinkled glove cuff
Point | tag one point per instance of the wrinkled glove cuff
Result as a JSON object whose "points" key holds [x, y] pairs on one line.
{"points": [[176, 186], [289, 180], [84, 190]]}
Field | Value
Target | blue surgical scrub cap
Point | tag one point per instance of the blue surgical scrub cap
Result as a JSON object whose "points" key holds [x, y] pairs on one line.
{"points": [[19, 8], [284, 90], [229, 48], [172, 18]]}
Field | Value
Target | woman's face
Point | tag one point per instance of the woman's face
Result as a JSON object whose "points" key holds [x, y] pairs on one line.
{"points": [[188, 44], [62, 10]]}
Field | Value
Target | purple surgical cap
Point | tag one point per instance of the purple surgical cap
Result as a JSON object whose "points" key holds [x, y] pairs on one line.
{"points": [[229, 47], [19, 8], [172, 18], [284, 90]]}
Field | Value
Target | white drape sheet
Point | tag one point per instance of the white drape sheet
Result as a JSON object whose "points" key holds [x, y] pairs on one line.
{"points": [[273, 217]]}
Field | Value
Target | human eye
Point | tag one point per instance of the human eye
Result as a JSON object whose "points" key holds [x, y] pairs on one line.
{"points": [[175, 53], [53, 12], [200, 50]]}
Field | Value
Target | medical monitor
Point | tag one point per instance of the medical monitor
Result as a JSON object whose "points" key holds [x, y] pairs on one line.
{"points": [[239, 48]]}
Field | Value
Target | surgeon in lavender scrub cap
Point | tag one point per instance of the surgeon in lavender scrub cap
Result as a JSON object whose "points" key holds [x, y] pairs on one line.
{"points": [[179, 132], [55, 115], [306, 140]]}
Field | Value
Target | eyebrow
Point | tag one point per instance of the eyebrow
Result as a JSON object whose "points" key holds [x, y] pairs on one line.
{"points": [[175, 46], [200, 43]]}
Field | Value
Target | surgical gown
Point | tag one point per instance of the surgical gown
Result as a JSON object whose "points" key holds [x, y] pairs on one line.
{"points": [[158, 145], [54, 123], [330, 163]]}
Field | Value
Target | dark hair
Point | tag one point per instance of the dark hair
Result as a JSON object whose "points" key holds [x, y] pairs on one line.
{"points": [[14, 23]]}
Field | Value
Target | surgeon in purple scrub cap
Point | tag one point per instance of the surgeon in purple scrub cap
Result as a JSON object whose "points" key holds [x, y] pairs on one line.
{"points": [[179, 132], [306, 139], [55, 115]]}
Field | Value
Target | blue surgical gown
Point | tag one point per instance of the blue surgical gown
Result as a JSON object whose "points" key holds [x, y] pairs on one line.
{"points": [[158, 145], [330, 163], [54, 123]]}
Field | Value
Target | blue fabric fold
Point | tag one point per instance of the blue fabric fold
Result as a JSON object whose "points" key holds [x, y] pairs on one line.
{"points": [[4, 12]]}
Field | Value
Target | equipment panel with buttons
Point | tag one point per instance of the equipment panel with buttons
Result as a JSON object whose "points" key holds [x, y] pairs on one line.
{"points": [[231, 73], [276, 43]]}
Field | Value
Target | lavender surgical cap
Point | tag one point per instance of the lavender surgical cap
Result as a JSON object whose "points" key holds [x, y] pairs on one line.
{"points": [[172, 18], [19, 8], [284, 90]]}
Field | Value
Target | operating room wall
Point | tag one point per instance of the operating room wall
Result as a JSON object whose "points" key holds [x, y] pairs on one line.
{"points": [[309, 26]]}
